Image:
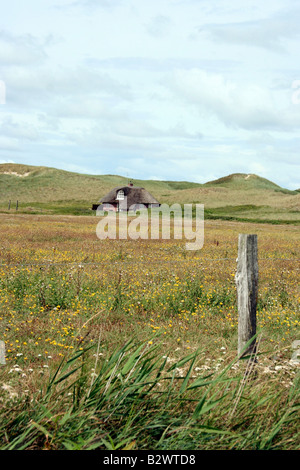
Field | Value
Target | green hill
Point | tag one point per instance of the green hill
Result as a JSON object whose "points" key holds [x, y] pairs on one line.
{"points": [[244, 181], [237, 196], [43, 184], [250, 181]]}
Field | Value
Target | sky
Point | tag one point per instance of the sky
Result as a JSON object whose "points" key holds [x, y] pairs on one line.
{"points": [[182, 90]]}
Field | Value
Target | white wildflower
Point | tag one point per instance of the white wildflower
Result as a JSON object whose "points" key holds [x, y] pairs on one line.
{"points": [[10, 390]]}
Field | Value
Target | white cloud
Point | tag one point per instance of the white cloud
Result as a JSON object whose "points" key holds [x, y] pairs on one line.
{"points": [[6, 161], [48, 83], [158, 26], [10, 127], [23, 49], [269, 32], [8, 144], [94, 3], [235, 103], [181, 90]]}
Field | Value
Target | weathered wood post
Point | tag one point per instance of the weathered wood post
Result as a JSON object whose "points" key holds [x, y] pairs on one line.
{"points": [[2, 353], [17, 205], [9, 205], [247, 288]]}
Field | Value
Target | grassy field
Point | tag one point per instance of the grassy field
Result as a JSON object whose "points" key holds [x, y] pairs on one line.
{"points": [[42, 190], [132, 344]]}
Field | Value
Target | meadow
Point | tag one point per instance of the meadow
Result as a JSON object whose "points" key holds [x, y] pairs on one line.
{"points": [[132, 344]]}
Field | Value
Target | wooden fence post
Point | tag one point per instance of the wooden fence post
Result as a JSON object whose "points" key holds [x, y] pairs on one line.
{"points": [[247, 288], [2, 353]]}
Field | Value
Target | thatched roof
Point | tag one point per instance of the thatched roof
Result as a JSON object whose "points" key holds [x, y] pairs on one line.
{"points": [[134, 195]]}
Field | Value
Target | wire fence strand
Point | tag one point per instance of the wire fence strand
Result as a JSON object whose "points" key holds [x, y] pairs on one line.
{"points": [[79, 263]]}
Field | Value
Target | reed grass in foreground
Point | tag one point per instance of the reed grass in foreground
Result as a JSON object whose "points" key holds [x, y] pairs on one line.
{"points": [[136, 398]]}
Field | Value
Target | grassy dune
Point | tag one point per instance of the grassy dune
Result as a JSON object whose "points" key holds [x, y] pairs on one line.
{"points": [[42, 190]]}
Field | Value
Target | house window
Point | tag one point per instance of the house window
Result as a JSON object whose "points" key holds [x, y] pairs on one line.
{"points": [[120, 195]]}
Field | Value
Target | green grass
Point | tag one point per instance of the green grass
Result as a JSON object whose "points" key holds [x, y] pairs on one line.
{"points": [[242, 213], [134, 399], [60, 207], [254, 214]]}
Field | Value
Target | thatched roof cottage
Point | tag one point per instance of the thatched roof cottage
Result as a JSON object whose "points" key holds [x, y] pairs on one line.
{"points": [[124, 198]]}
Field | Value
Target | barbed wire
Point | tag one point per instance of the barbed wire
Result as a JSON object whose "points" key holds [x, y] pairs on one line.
{"points": [[81, 264]]}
